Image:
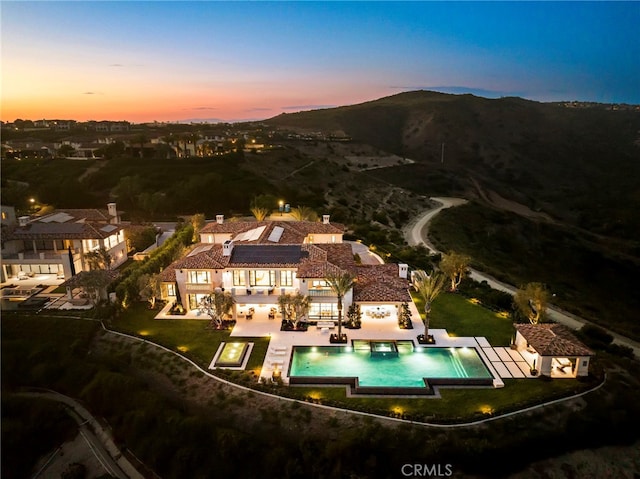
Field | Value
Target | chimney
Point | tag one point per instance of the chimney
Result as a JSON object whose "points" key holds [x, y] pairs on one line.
{"points": [[113, 212], [402, 270], [227, 248], [325, 219], [219, 219], [23, 220]]}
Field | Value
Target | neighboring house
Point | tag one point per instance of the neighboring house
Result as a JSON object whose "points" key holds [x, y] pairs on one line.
{"points": [[553, 350], [259, 261], [57, 243]]}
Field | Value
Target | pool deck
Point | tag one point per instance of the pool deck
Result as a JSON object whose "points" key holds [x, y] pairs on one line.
{"points": [[281, 343]]}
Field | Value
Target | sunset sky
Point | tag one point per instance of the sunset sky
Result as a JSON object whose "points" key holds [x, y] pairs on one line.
{"points": [[231, 61]]}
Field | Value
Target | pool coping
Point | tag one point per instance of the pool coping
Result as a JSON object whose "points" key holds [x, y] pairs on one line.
{"points": [[430, 389]]}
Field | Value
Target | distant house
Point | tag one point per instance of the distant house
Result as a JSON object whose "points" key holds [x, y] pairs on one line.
{"points": [[553, 350], [257, 261], [58, 242]]}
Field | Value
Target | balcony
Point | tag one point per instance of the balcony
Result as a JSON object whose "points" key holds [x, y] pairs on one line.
{"points": [[47, 256], [324, 293]]}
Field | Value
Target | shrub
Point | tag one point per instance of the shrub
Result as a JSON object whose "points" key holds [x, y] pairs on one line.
{"points": [[596, 333]]}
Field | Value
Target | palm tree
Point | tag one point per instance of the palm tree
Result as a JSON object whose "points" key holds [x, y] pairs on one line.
{"points": [[216, 305], [340, 284], [304, 213], [532, 301], [428, 287], [260, 213]]}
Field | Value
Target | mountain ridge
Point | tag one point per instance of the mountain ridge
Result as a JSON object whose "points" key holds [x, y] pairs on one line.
{"points": [[575, 164]]}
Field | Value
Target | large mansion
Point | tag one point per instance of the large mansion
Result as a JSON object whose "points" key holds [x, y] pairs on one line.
{"points": [[256, 261], [57, 243]]}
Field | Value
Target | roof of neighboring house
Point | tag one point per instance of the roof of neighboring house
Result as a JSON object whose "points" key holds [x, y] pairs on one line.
{"points": [[67, 230], [67, 224], [550, 339], [75, 281], [380, 283], [89, 214]]}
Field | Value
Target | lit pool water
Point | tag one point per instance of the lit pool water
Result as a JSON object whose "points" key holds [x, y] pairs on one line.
{"points": [[405, 368]]}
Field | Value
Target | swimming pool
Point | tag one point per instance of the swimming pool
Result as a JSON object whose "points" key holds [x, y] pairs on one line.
{"points": [[388, 367]]}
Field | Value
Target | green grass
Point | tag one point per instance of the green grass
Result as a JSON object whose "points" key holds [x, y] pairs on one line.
{"points": [[453, 312], [460, 317], [47, 339], [455, 405], [190, 337]]}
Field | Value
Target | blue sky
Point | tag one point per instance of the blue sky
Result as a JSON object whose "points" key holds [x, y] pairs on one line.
{"points": [[144, 61]]}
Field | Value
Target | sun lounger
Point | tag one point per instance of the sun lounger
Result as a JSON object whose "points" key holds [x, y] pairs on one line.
{"points": [[325, 324]]}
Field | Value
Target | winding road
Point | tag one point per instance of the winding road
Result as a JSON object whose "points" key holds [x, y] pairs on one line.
{"points": [[96, 436], [416, 233]]}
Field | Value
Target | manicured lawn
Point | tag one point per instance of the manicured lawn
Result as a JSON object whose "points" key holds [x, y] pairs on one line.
{"points": [[47, 339], [456, 404], [191, 337], [453, 312], [460, 317]]}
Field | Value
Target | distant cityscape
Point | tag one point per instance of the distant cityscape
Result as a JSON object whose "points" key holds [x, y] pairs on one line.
{"points": [[102, 139]]}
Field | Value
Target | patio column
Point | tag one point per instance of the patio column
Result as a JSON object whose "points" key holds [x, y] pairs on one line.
{"points": [[35, 250]]}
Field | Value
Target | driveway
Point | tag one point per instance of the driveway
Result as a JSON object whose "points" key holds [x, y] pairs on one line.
{"points": [[416, 233]]}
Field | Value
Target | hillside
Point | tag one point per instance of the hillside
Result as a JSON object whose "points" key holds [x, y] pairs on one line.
{"points": [[577, 165]]}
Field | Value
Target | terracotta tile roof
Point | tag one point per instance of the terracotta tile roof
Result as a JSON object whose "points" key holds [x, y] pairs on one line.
{"points": [[89, 214], [75, 281], [550, 339], [294, 232], [168, 275], [208, 259], [232, 227], [68, 230], [380, 283], [326, 258]]}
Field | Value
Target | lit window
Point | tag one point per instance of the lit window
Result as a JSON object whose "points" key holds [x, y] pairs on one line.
{"points": [[199, 277], [239, 278], [259, 277], [286, 278]]}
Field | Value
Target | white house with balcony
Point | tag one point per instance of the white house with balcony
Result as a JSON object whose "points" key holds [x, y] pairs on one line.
{"points": [[56, 244], [257, 261]]}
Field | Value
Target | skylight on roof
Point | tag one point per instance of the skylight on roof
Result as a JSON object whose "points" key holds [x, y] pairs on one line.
{"points": [[108, 228], [200, 249], [251, 235], [276, 234]]}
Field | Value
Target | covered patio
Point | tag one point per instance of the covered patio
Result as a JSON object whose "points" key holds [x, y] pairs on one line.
{"points": [[552, 350]]}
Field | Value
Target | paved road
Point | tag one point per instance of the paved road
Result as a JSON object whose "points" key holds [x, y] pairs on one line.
{"points": [[98, 439], [416, 233]]}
